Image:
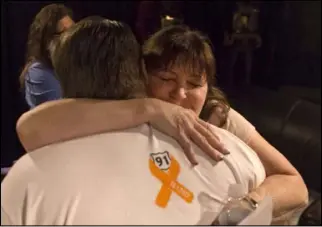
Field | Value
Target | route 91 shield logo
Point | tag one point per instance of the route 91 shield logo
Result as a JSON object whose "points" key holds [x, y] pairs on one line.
{"points": [[162, 160]]}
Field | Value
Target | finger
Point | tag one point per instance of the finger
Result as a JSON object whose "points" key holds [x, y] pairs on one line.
{"points": [[204, 145], [206, 126], [189, 121], [211, 137], [185, 143]]}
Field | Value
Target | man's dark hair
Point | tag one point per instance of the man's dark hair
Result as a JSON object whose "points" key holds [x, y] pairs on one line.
{"points": [[93, 18], [98, 59], [42, 31]]}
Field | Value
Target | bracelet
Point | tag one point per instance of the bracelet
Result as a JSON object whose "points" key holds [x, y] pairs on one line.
{"points": [[253, 203]]}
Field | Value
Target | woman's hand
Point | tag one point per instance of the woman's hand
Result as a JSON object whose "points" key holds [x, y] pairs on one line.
{"points": [[186, 127]]}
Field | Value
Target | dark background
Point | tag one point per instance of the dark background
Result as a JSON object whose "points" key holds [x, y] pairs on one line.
{"points": [[290, 54]]}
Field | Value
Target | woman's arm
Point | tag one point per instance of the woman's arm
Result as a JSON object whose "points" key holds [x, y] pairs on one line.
{"points": [[66, 119], [283, 181], [72, 118]]}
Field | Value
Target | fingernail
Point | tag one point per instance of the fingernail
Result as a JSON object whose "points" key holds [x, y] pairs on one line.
{"points": [[193, 164], [220, 157], [225, 151]]}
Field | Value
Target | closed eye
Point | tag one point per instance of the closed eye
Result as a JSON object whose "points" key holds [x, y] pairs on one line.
{"points": [[166, 79], [195, 84]]}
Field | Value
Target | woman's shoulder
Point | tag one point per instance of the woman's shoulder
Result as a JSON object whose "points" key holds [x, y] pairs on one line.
{"points": [[236, 124], [37, 70], [39, 66]]}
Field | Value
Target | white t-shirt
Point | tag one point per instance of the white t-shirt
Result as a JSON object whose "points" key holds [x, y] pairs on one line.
{"points": [[137, 176]]}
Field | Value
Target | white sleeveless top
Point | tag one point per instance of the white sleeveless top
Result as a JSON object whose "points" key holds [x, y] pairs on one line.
{"points": [[137, 176]]}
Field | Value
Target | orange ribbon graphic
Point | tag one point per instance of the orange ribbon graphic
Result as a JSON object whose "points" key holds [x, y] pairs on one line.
{"points": [[169, 183]]}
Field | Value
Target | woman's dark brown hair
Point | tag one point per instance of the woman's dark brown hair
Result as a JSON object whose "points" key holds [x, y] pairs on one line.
{"points": [[181, 46], [42, 31]]}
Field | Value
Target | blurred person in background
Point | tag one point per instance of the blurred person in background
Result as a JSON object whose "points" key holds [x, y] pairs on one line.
{"points": [[153, 15], [37, 78], [172, 13], [243, 40]]}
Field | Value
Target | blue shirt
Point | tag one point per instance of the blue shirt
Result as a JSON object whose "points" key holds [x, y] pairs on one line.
{"points": [[41, 85]]}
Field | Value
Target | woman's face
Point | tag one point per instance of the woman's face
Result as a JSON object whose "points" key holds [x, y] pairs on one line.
{"points": [[65, 23], [62, 25], [179, 87]]}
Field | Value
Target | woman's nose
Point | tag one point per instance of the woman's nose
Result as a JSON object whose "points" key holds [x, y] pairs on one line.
{"points": [[178, 95]]}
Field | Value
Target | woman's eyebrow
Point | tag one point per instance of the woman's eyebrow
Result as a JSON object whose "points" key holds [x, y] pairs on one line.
{"points": [[196, 76], [171, 72]]}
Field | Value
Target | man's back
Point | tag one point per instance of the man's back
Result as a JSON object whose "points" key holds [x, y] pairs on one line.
{"points": [[137, 176]]}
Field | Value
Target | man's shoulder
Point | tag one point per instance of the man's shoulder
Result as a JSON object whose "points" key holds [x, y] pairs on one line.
{"points": [[123, 136], [5, 218], [140, 133], [222, 133], [22, 164], [242, 157], [81, 152], [14, 188], [19, 173], [113, 144], [235, 145]]}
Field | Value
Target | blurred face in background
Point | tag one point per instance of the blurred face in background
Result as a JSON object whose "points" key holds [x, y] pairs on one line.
{"points": [[63, 24]]}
